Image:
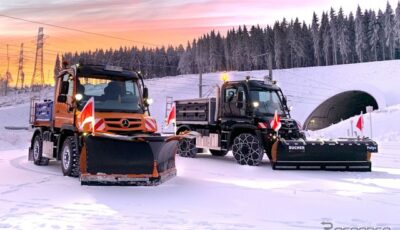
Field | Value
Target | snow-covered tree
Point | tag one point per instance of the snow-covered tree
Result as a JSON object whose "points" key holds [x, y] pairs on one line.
{"points": [[343, 37], [316, 39], [389, 30], [334, 35], [373, 35], [397, 25], [360, 36], [326, 37]]}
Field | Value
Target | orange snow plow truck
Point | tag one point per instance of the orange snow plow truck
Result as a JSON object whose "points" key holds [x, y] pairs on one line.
{"points": [[121, 147]]}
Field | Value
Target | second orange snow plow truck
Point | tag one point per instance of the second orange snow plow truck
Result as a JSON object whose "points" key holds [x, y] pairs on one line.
{"points": [[239, 119], [122, 148]]}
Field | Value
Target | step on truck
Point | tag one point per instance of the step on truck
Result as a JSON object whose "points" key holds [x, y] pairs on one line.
{"points": [[239, 119], [122, 148]]}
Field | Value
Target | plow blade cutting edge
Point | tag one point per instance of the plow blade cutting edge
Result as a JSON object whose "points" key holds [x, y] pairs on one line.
{"points": [[340, 155], [120, 160]]}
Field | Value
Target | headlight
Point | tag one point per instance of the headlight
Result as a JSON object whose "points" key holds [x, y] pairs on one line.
{"points": [[78, 97], [256, 104], [149, 101]]}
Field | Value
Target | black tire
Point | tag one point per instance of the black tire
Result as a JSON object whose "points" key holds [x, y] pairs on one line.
{"points": [[70, 157], [218, 153], [187, 148], [37, 151], [247, 149]]}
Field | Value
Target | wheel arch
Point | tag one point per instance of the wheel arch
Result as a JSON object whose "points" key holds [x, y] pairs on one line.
{"points": [[63, 135], [182, 128], [37, 131]]}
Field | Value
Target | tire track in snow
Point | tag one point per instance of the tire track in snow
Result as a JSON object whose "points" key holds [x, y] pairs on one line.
{"points": [[18, 163]]}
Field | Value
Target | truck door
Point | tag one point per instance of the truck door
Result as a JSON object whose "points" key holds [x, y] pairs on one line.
{"points": [[63, 114], [230, 106], [229, 101]]}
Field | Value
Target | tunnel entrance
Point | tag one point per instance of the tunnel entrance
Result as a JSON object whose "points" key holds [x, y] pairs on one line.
{"points": [[339, 107]]}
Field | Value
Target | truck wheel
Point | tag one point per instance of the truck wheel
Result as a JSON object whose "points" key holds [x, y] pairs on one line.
{"points": [[218, 153], [37, 150], [187, 148], [70, 157], [247, 149]]}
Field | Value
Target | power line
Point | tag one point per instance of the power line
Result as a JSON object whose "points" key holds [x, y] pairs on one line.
{"points": [[78, 30]]}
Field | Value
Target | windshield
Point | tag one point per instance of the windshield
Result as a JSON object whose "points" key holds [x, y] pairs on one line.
{"points": [[266, 102], [110, 95]]}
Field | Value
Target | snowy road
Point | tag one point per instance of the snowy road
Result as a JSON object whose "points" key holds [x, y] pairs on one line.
{"points": [[208, 193]]}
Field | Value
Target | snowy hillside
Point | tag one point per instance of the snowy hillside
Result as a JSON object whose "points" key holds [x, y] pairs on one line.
{"points": [[306, 88]]}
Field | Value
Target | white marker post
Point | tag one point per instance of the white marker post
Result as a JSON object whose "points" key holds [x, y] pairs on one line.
{"points": [[351, 127], [370, 109]]}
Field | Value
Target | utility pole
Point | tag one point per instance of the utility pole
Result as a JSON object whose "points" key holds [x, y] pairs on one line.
{"points": [[370, 109], [8, 74], [21, 74], [351, 128], [268, 78], [270, 66], [201, 84], [38, 76]]}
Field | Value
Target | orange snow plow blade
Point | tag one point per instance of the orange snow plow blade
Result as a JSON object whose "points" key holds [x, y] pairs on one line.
{"points": [[109, 159]]}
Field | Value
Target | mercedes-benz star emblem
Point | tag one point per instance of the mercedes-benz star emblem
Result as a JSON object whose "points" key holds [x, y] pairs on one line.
{"points": [[125, 123]]}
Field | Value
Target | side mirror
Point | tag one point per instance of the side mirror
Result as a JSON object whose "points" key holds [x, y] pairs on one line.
{"points": [[240, 99], [64, 88], [62, 98], [240, 96], [284, 100], [145, 93]]}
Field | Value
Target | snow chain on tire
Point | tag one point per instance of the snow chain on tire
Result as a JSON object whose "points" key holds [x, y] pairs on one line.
{"points": [[247, 149], [38, 158], [70, 157], [187, 148]]}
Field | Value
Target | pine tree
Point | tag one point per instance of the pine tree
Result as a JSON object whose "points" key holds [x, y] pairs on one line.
{"points": [[343, 37], [57, 67], [334, 34], [389, 30], [326, 38], [352, 38], [373, 29], [278, 38], [316, 39], [397, 26], [360, 38]]}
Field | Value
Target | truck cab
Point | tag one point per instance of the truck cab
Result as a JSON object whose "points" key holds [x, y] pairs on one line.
{"points": [[242, 111], [120, 139]]}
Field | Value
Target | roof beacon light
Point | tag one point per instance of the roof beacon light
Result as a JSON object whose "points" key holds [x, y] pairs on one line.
{"points": [[224, 77]]}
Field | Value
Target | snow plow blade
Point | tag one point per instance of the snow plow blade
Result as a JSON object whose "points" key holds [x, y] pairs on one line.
{"points": [[108, 159], [339, 155]]}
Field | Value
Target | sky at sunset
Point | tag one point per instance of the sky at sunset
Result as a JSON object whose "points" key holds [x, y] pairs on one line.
{"points": [[148, 22]]}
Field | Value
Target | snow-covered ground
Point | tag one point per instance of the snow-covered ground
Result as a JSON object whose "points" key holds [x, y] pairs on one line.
{"points": [[385, 126], [208, 192]]}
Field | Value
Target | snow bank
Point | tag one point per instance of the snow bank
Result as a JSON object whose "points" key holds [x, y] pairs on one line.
{"points": [[385, 126]]}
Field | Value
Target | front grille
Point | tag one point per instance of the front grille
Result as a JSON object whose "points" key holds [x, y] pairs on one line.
{"points": [[115, 124], [120, 119], [119, 126], [288, 124]]}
